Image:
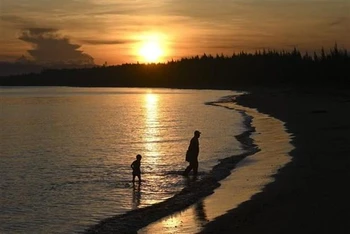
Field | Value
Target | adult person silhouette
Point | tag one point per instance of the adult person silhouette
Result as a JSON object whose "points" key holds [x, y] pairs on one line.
{"points": [[192, 154]]}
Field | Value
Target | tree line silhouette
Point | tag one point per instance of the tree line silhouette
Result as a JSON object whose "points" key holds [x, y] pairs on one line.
{"points": [[262, 68]]}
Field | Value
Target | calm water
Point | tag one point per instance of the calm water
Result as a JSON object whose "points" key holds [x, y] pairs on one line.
{"points": [[66, 152]]}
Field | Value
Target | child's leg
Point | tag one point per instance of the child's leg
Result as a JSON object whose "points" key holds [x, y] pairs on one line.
{"points": [[139, 176], [133, 178]]}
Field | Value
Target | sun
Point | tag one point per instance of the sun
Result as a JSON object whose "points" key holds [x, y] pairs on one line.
{"points": [[152, 49]]}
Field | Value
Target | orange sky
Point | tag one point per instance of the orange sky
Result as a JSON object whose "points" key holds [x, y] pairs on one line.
{"points": [[130, 31]]}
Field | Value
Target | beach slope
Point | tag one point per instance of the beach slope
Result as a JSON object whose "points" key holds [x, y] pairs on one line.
{"points": [[310, 194]]}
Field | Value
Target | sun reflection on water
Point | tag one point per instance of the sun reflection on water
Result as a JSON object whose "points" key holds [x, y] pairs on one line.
{"points": [[151, 135], [151, 101], [172, 222]]}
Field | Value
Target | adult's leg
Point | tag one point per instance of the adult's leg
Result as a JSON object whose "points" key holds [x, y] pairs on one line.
{"points": [[190, 167], [195, 167]]}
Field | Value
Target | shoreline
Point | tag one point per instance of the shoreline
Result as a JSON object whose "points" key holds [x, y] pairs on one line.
{"points": [[309, 194], [248, 177], [134, 220]]}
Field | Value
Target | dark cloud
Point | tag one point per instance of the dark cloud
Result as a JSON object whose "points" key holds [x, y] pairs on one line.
{"points": [[112, 12], [51, 48], [106, 42], [39, 31], [11, 19], [338, 21], [17, 21]]}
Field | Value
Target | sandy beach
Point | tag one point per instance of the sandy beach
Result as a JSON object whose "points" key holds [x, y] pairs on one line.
{"points": [[310, 194]]}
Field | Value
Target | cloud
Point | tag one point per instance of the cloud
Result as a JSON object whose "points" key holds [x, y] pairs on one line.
{"points": [[51, 48], [339, 21], [39, 31], [106, 42], [12, 19]]}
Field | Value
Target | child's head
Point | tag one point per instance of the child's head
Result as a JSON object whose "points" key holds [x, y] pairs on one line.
{"points": [[138, 157]]}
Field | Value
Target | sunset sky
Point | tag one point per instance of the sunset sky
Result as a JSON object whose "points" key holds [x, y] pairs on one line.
{"points": [[160, 30]]}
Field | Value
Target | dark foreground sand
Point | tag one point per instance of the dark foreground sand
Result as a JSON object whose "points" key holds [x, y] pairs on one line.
{"points": [[311, 194]]}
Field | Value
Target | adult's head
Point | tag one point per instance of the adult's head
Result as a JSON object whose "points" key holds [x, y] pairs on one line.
{"points": [[197, 133], [138, 157]]}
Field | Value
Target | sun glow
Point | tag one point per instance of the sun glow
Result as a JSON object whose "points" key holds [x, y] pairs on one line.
{"points": [[151, 51], [152, 48]]}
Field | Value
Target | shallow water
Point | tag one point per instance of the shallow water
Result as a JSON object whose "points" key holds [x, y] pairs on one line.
{"points": [[66, 152], [247, 179]]}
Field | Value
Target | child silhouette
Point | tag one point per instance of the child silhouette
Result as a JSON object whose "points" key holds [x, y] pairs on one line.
{"points": [[136, 168]]}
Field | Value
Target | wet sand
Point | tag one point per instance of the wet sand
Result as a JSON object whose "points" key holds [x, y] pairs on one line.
{"points": [[311, 194]]}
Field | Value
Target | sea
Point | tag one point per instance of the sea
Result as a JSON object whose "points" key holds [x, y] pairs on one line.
{"points": [[65, 152]]}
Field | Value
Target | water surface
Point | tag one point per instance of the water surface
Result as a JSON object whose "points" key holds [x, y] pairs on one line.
{"points": [[66, 152]]}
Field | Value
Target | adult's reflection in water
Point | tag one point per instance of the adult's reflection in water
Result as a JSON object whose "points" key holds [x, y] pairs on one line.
{"points": [[199, 209], [201, 216], [136, 195]]}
